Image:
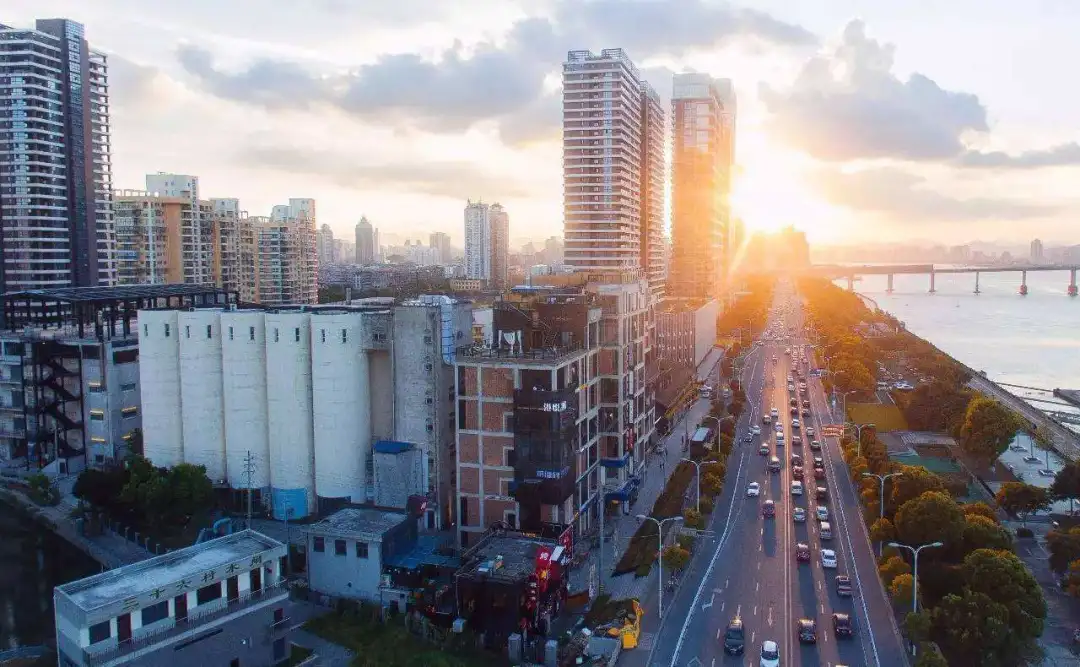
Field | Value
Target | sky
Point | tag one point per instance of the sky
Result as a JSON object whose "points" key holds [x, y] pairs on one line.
{"points": [[858, 120]]}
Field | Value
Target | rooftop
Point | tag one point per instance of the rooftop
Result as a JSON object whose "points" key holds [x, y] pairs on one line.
{"points": [[366, 523], [119, 293], [517, 551], [144, 577]]}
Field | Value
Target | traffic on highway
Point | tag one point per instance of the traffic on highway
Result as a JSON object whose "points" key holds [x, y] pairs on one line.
{"points": [[790, 578]]}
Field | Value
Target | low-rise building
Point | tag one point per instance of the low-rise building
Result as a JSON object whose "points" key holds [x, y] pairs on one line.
{"points": [[348, 551], [215, 604]]}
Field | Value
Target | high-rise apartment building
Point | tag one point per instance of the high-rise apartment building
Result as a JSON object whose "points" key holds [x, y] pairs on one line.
{"points": [[487, 243], [55, 159], [440, 243], [237, 260], [324, 245], [196, 229], [366, 248], [1037, 251], [613, 160], [702, 159], [288, 265]]}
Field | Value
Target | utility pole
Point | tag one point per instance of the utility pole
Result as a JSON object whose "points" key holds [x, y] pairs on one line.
{"points": [[249, 471]]}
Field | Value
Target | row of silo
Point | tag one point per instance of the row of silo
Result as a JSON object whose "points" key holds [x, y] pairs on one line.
{"points": [[289, 388]]}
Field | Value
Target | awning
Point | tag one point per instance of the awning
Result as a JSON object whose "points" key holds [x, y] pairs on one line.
{"points": [[623, 493], [617, 462]]}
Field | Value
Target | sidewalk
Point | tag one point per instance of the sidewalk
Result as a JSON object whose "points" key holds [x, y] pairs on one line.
{"points": [[619, 529]]}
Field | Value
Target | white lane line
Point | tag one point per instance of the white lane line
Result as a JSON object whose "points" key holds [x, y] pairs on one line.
{"points": [[755, 610], [722, 605]]}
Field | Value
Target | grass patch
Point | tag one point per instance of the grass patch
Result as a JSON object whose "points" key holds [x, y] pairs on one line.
{"points": [[885, 417], [377, 644], [641, 551]]}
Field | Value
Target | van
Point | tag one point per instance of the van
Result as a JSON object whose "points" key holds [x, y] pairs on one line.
{"points": [[826, 530]]}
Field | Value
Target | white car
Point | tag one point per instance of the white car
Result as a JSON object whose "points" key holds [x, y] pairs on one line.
{"points": [[770, 654], [798, 514], [828, 559], [774, 413], [796, 488], [779, 428], [754, 490], [755, 429], [795, 424], [822, 513]]}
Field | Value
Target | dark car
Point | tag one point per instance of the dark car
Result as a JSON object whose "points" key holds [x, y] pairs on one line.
{"points": [[841, 624], [802, 552], [807, 631], [843, 585], [819, 462], [806, 413], [796, 440], [821, 493], [768, 509], [815, 445], [749, 437], [735, 637], [763, 449], [806, 403], [796, 460], [819, 473], [794, 412], [797, 472], [794, 402]]}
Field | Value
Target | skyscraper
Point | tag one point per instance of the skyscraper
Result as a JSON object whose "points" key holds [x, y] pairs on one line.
{"points": [[324, 245], [195, 225], [1037, 251], [365, 242], [440, 243], [613, 162], [55, 159], [702, 115], [288, 263], [487, 243]]}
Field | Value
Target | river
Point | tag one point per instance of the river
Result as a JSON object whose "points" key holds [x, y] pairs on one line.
{"points": [[1031, 340], [32, 561]]}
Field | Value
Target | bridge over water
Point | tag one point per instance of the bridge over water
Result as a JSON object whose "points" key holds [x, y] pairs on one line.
{"points": [[851, 272]]}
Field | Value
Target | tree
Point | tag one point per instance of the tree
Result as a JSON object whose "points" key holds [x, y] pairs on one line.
{"points": [[883, 531], [932, 517], [893, 568], [1021, 499], [988, 429], [1066, 484], [1073, 579], [917, 625], [1064, 548], [1004, 577], [135, 442], [982, 533], [901, 589], [979, 509], [930, 656], [971, 629], [675, 558], [914, 482], [101, 488], [191, 491], [726, 426], [851, 375], [936, 406]]}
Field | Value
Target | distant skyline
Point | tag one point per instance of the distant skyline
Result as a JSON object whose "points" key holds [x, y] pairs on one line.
{"points": [[878, 129]]}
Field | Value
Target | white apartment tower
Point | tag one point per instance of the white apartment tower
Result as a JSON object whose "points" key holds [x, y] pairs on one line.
{"points": [[196, 225], [288, 263], [487, 243], [55, 159], [613, 166], [324, 245]]}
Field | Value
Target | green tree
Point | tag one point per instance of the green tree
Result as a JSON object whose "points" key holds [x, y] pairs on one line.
{"points": [[883, 531], [1064, 548], [1004, 577], [972, 629], [1066, 484], [42, 490], [1073, 579], [932, 517], [930, 656], [100, 488], [917, 625], [936, 406], [726, 426], [901, 589], [914, 482], [982, 533], [1021, 499], [135, 442], [893, 568], [675, 558], [988, 429], [191, 493]]}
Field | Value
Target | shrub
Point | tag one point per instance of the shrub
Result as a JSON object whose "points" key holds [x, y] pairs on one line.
{"points": [[693, 519], [686, 541], [707, 505], [675, 558]]}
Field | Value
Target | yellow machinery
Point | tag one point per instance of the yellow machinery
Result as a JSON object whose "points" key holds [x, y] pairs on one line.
{"points": [[630, 632]]}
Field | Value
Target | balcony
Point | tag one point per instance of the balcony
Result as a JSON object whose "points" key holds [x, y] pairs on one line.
{"points": [[94, 656]]}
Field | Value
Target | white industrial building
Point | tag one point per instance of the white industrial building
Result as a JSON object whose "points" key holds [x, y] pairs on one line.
{"points": [[287, 402]]}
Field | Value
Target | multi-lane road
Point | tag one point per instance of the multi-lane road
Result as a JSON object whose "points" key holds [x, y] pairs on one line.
{"points": [[750, 570]]}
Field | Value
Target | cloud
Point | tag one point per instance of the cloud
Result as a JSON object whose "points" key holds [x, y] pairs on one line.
{"points": [[849, 105], [1063, 155], [902, 195], [440, 179], [501, 82]]}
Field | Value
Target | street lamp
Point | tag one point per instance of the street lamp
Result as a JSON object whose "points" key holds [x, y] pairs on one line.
{"points": [[915, 577], [844, 399], [858, 435], [660, 553], [697, 477], [881, 498]]}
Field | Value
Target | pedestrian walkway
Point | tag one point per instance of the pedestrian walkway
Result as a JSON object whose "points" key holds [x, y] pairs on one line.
{"points": [[658, 468]]}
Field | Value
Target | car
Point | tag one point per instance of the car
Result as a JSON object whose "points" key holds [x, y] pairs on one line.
{"points": [[806, 403], [810, 432], [807, 630], [802, 386], [763, 449], [754, 490], [843, 585], [790, 387], [796, 440], [789, 378], [802, 552], [798, 514], [819, 474], [828, 559], [779, 428], [794, 412], [819, 462], [821, 494], [755, 429], [815, 445], [794, 402], [766, 419], [774, 412], [770, 654], [774, 464], [796, 488], [795, 424], [735, 637], [796, 460], [749, 437], [768, 509], [822, 513], [806, 413], [841, 625], [775, 359]]}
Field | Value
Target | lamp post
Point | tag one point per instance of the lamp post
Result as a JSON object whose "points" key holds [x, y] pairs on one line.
{"points": [[881, 498], [858, 435], [697, 478], [843, 397], [915, 577], [660, 554]]}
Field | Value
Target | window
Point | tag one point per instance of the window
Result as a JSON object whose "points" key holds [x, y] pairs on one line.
{"points": [[319, 545], [322, 336], [296, 334], [146, 329], [187, 331], [130, 412], [209, 330], [276, 338], [96, 388], [166, 330], [129, 386], [230, 333], [155, 612], [511, 520], [279, 649], [427, 340], [511, 457], [344, 336], [361, 550], [251, 333], [464, 518], [339, 547], [208, 593], [99, 632], [97, 415]]}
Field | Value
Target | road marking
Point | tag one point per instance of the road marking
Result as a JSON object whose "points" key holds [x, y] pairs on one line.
{"points": [[738, 610], [718, 634], [755, 610], [694, 662], [722, 603], [759, 565], [718, 590], [770, 619], [753, 635], [709, 603]]}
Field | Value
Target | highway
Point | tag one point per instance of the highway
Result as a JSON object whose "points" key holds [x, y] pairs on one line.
{"points": [[751, 570]]}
